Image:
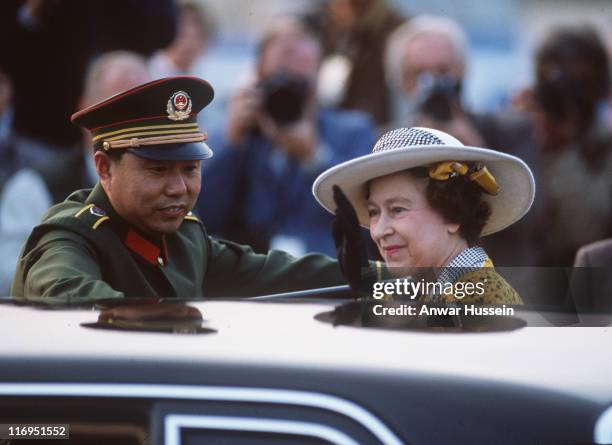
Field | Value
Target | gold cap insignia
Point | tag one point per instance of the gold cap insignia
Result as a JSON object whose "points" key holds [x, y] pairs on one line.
{"points": [[179, 106]]}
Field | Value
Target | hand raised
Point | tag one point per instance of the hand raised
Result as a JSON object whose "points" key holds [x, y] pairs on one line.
{"points": [[350, 245]]}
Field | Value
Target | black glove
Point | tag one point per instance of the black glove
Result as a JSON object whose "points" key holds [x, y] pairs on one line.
{"points": [[350, 245]]}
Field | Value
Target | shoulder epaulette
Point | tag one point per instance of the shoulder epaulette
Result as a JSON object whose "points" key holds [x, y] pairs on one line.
{"points": [[191, 217], [93, 215]]}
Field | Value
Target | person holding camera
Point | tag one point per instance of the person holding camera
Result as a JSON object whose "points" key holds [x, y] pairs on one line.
{"points": [[274, 144], [425, 65]]}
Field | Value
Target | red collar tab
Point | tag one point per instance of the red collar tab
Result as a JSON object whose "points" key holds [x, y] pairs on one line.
{"points": [[145, 248]]}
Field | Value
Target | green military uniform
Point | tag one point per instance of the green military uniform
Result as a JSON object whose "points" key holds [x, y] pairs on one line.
{"points": [[84, 250]]}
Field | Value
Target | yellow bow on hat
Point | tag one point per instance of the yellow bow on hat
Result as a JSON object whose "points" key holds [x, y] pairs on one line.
{"points": [[477, 173]]}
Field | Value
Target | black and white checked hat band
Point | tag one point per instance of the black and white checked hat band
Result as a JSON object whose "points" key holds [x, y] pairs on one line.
{"points": [[407, 137]]}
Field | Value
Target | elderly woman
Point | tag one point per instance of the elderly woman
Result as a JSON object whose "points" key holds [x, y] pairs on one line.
{"points": [[427, 199]]}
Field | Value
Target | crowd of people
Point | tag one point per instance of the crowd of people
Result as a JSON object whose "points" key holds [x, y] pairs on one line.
{"points": [[324, 87]]}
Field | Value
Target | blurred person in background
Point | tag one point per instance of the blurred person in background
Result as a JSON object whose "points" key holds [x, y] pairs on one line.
{"points": [[52, 41], [425, 64], [354, 34], [572, 145], [274, 144], [194, 30]]}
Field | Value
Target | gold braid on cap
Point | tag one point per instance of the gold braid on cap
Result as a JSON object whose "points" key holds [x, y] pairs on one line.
{"points": [[136, 142], [134, 137], [477, 173]]}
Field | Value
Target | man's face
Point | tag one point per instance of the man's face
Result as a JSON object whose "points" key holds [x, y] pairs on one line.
{"points": [[292, 54], [429, 53], [153, 196]]}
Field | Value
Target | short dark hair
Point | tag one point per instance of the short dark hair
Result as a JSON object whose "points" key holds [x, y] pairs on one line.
{"points": [[458, 200]]}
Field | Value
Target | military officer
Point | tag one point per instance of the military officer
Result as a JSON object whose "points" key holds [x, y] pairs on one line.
{"points": [[133, 234]]}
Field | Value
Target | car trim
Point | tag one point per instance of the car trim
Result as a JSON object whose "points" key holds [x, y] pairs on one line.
{"points": [[215, 393], [175, 422]]}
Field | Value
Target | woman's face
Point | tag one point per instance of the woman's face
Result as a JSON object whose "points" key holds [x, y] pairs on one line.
{"points": [[407, 231]]}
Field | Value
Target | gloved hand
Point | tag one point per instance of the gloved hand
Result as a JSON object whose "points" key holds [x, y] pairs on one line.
{"points": [[350, 245]]}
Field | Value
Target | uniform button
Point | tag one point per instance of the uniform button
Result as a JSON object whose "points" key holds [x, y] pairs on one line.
{"points": [[160, 261]]}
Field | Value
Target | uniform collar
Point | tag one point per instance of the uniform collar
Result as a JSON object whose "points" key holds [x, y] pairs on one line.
{"points": [[150, 248]]}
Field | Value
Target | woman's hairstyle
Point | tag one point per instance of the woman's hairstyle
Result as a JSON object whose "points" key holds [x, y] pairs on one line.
{"points": [[458, 200]]}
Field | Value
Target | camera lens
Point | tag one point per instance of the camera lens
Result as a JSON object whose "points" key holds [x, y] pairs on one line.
{"points": [[438, 94], [284, 97]]}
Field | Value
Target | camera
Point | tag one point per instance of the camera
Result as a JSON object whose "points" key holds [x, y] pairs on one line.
{"points": [[438, 95], [284, 97]]}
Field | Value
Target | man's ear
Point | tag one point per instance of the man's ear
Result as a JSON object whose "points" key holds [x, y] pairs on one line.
{"points": [[103, 166]]}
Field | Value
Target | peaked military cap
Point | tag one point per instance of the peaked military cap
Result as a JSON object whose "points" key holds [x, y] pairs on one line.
{"points": [[157, 120]]}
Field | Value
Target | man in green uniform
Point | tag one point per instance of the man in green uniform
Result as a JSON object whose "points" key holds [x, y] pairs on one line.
{"points": [[133, 234]]}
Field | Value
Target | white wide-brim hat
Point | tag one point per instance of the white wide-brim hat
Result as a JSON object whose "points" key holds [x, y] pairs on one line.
{"points": [[407, 148]]}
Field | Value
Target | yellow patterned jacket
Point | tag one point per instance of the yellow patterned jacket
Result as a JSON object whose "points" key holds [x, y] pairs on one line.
{"points": [[473, 266]]}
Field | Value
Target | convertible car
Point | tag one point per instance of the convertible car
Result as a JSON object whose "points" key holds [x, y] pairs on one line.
{"points": [[300, 369]]}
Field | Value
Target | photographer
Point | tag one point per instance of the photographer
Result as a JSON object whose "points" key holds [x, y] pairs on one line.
{"points": [[425, 66], [572, 145], [274, 145]]}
